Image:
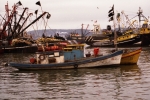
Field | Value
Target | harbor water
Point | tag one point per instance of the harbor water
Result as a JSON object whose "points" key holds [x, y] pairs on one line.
{"points": [[125, 82]]}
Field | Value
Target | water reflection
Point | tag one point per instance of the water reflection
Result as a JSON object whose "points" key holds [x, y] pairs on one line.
{"points": [[59, 75], [17, 57], [80, 83], [97, 83], [129, 68]]}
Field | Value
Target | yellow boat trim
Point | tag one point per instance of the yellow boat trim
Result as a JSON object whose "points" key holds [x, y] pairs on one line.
{"points": [[131, 53], [125, 37], [131, 57]]}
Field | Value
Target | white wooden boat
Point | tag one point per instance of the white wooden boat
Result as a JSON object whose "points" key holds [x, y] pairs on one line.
{"points": [[59, 60]]}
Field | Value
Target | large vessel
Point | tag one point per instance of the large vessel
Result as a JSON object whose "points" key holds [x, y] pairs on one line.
{"points": [[13, 34], [127, 36]]}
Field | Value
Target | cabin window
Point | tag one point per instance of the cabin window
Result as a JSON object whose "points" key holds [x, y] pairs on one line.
{"points": [[56, 54]]}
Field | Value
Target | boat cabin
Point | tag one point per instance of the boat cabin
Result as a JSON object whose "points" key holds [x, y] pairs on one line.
{"points": [[49, 57], [69, 53], [145, 28]]}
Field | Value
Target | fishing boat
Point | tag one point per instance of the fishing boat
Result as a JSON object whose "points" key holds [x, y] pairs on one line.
{"points": [[130, 56], [13, 34], [126, 36], [69, 59], [128, 39]]}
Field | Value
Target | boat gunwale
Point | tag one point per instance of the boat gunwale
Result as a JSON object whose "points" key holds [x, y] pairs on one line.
{"points": [[133, 53]]}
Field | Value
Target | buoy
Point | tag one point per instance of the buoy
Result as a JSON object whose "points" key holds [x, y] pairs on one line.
{"points": [[32, 60]]}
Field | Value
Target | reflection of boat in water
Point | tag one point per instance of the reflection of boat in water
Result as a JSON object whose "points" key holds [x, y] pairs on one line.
{"points": [[130, 56], [129, 68], [96, 73]]}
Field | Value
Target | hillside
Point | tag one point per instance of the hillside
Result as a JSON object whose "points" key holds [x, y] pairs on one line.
{"points": [[51, 32]]}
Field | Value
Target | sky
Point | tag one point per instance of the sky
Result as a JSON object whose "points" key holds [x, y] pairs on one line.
{"points": [[71, 14]]}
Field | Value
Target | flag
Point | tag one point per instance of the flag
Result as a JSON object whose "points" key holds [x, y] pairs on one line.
{"points": [[111, 18], [19, 3], [112, 9], [36, 11], [38, 3], [111, 13], [48, 16]]}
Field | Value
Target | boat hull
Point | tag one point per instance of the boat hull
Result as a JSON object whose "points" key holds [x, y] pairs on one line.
{"points": [[120, 43], [131, 57], [24, 49], [129, 42], [90, 62]]}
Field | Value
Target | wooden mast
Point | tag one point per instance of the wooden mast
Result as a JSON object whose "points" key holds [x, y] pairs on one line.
{"points": [[115, 36]]}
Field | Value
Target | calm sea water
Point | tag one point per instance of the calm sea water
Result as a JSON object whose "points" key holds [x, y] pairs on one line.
{"points": [[126, 82]]}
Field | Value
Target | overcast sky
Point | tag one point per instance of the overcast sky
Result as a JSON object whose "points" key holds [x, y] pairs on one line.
{"points": [[70, 14]]}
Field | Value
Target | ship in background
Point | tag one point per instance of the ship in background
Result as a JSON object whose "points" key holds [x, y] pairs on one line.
{"points": [[132, 35]]}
